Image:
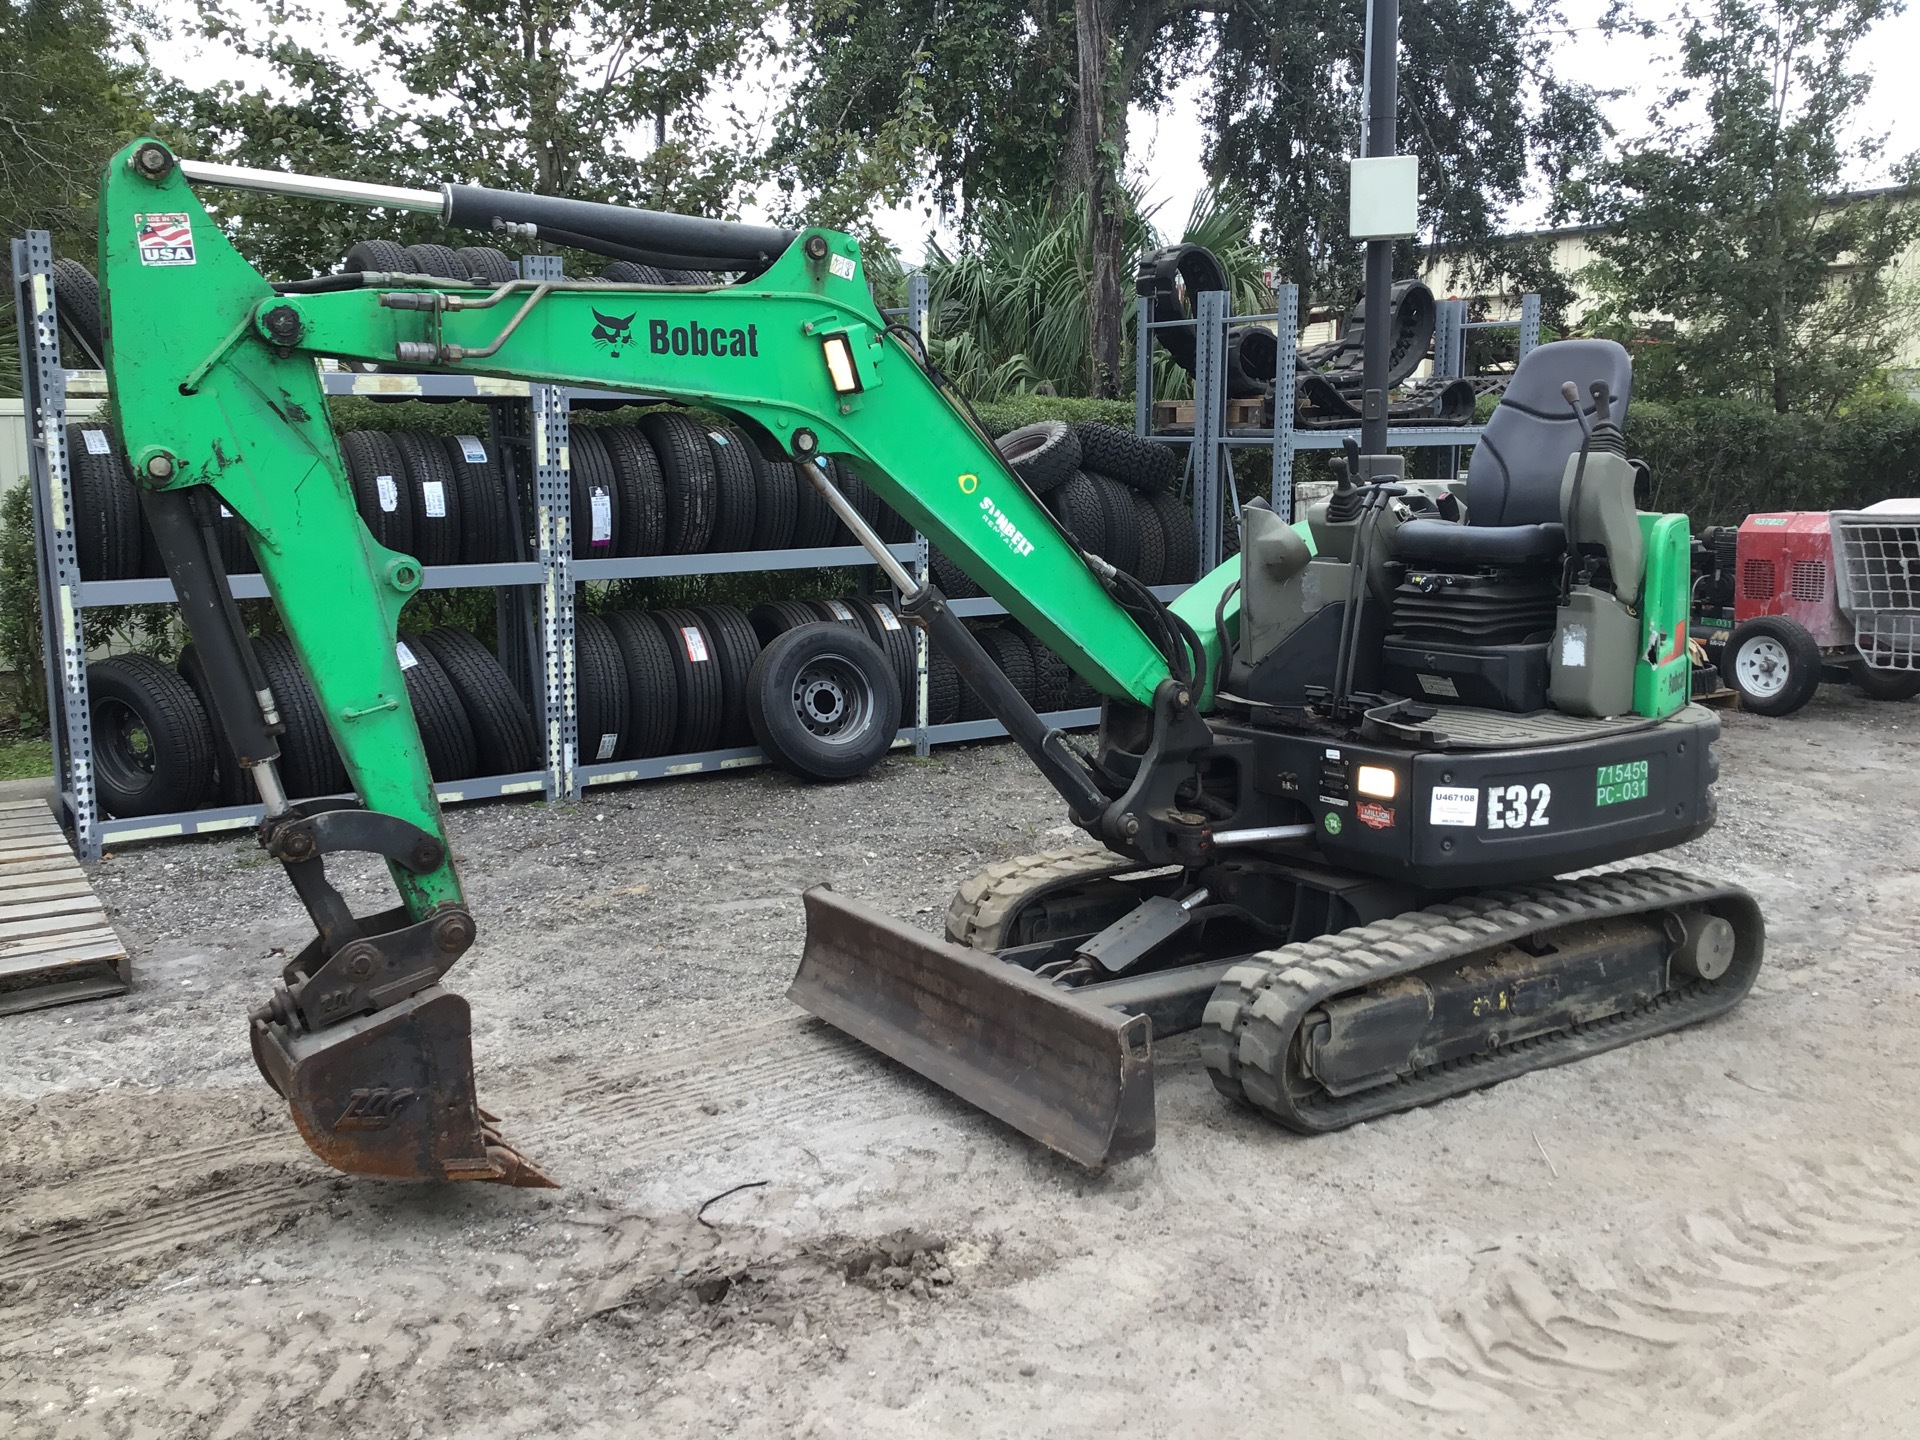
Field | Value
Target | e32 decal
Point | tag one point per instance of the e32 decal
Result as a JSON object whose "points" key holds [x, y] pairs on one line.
{"points": [[1518, 807]]}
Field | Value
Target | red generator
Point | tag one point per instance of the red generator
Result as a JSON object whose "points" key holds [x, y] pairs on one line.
{"points": [[1794, 598]]}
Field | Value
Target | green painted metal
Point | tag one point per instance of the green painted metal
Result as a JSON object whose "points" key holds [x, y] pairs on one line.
{"points": [[1665, 683], [253, 425]]}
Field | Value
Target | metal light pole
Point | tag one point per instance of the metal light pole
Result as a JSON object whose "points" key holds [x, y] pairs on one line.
{"points": [[1381, 93]]}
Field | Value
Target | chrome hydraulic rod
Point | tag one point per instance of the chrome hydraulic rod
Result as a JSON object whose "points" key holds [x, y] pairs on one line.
{"points": [[314, 187]]}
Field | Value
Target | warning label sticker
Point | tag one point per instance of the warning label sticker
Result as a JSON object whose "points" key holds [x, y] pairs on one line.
{"points": [[164, 239]]}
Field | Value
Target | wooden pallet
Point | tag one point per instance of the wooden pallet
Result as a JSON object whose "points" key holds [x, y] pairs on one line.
{"points": [[1178, 414], [55, 943]]}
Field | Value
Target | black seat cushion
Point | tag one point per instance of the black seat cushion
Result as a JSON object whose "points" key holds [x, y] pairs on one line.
{"points": [[1514, 475], [1438, 543]]}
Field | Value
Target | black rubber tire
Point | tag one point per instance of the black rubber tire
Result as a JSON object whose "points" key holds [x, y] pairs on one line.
{"points": [[776, 505], [869, 506], [76, 301], [954, 582], [106, 508], [1182, 547], [789, 681], [593, 479], [626, 272], [686, 460], [1151, 567], [895, 638], [229, 784], [505, 739], [840, 612], [773, 618], [485, 515], [1008, 647], [1051, 677], [152, 746], [436, 260], [370, 455], [310, 766], [1144, 464], [1080, 694], [653, 688], [889, 524], [1779, 649], [236, 551], [642, 488], [1123, 526], [1044, 454], [600, 686], [736, 647], [736, 496], [702, 687], [446, 732], [153, 565], [1082, 513], [970, 705], [943, 689], [485, 263], [386, 257], [438, 539], [815, 526], [1884, 684]]}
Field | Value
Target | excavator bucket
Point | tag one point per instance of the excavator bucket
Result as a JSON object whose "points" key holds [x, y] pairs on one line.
{"points": [[1073, 1075], [390, 1095]]}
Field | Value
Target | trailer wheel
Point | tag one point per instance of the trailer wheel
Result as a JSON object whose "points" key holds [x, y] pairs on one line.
{"points": [[1884, 684], [152, 746], [822, 702], [1774, 663]]}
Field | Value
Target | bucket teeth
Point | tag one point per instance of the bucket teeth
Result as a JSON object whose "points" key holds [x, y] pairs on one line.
{"points": [[511, 1167]]}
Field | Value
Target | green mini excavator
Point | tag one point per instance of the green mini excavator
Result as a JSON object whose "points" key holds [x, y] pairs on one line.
{"points": [[1332, 788]]}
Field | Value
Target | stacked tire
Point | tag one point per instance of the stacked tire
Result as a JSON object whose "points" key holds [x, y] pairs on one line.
{"points": [[1043, 679], [442, 499]]}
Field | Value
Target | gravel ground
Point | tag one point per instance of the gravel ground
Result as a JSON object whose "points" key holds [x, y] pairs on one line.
{"points": [[1709, 1233]]}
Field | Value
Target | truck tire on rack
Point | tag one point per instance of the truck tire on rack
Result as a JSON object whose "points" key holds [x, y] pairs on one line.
{"points": [[505, 741], [596, 500], [446, 733], [840, 612], [815, 525], [1773, 662], [1008, 647], [76, 302], [626, 272], [1182, 545], [888, 523], [954, 582], [773, 618], [434, 496], [943, 689], [1043, 454], [653, 687], [230, 785], [643, 490], [377, 256], [1108, 450], [483, 262], [1080, 510], [600, 685], [481, 487], [1051, 677], [436, 260], [106, 519], [309, 765], [736, 647], [776, 504], [887, 630], [871, 507], [686, 460], [1884, 684], [696, 670], [379, 479], [152, 746], [1151, 568], [735, 495], [823, 703], [1123, 529]]}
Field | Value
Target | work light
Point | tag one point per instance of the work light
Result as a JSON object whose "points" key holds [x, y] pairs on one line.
{"points": [[840, 367]]}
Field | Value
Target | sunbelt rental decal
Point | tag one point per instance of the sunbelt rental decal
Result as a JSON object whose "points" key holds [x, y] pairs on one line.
{"points": [[997, 519], [164, 239]]}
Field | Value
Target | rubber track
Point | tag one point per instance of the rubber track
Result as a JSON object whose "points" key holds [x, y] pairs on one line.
{"points": [[987, 904], [1247, 1034]]}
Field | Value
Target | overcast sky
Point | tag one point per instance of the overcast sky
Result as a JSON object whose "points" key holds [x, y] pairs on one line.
{"points": [[1165, 146]]}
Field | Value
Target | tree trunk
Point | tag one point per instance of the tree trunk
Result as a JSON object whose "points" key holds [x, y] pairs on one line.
{"points": [[1089, 174]]}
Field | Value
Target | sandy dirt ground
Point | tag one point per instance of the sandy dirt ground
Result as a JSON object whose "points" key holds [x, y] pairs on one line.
{"points": [[1709, 1234]]}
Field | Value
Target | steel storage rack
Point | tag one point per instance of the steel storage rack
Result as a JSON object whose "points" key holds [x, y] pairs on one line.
{"points": [[1211, 443]]}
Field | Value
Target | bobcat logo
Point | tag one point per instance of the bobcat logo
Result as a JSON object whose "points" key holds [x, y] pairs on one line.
{"points": [[373, 1109], [612, 332]]}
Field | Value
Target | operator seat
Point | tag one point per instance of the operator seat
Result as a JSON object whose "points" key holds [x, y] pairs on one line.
{"points": [[1513, 479]]}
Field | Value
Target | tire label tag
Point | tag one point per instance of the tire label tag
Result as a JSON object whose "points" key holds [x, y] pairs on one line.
{"points": [[602, 517], [164, 239], [389, 493], [472, 450], [840, 611], [605, 751], [1455, 806], [97, 442], [695, 642], [888, 620], [716, 437], [434, 494], [406, 657]]}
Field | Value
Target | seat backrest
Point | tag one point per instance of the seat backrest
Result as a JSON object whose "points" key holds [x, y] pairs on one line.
{"points": [[1514, 475]]}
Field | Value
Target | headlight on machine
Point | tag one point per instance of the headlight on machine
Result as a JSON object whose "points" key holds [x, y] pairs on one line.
{"points": [[1377, 781], [840, 367]]}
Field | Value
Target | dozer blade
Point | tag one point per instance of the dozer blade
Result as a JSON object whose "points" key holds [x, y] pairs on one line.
{"points": [[1071, 1074], [390, 1094]]}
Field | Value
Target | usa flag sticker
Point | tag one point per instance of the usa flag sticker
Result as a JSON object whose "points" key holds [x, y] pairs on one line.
{"points": [[164, 239]]}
